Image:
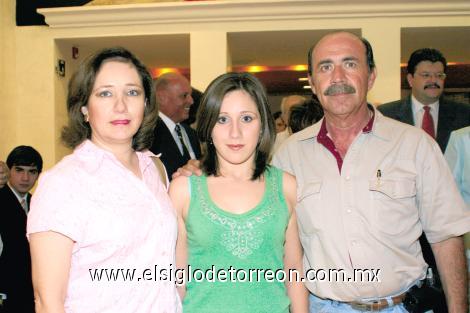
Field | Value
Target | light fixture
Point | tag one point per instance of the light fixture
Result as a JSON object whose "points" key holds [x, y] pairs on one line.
{"points": [[298, 68], [256, 68], [163, 70]]}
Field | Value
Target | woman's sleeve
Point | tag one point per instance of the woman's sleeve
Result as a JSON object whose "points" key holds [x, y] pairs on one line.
{"points": [[57, 205]]}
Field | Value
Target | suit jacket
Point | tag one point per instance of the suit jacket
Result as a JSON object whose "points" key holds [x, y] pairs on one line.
{"points": [[164, 143], [452, 116], [15, 264]]}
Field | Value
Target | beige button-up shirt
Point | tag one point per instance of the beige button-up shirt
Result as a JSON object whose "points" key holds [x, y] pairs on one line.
{"points": [[394, 184]]}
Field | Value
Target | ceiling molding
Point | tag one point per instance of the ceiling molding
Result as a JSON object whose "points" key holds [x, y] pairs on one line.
{"points": [[246, 10]]}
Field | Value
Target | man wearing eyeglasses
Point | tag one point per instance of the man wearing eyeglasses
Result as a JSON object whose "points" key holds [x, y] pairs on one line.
{"points": [[426, 108]]}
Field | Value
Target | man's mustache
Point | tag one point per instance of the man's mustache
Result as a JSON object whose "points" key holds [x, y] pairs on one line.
{"points": [[337, 89], [432, 85]]}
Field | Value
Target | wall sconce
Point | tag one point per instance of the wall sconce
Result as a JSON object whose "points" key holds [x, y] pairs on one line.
{"points": [[60, 67], [75, 53]]}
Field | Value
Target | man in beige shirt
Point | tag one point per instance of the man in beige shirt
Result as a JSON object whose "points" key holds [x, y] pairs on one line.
{"points": [[368, 186]]}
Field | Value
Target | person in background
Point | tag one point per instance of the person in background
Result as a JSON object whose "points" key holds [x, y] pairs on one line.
{"points": [[105, 207], [458, 156], [191, 120], [25, 164], [306, 114], [426, 107], [286, 104], [279, 122], [176, 141], [4, 174], [368, 186], [240, 212]]}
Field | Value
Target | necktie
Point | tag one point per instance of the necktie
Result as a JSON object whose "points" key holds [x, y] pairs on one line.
{"points": [[23, 204], [428, 123], [180, 137]]}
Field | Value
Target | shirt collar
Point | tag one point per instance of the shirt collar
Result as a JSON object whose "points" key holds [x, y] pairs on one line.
{"points": [[168, 122], [367, 129], [375, 126], [418, 106], [93, 156], [17, 195]]}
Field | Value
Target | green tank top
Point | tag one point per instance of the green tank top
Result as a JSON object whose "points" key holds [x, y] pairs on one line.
{"points": [[239, 245]]}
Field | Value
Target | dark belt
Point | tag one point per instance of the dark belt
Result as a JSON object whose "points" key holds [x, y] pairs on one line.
{"points": [[377, 305]]}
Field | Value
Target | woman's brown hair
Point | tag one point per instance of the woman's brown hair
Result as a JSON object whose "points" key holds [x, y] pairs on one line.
{"points": [[79, 90]]}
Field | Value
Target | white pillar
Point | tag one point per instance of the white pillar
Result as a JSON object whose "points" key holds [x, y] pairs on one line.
{"points": [[208, 57], [385, 41]]}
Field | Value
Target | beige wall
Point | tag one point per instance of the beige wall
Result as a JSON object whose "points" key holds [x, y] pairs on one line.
{"points": [[33, 96], [8, 112]]}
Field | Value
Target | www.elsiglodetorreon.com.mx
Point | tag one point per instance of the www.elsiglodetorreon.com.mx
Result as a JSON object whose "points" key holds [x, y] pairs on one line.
{"points": [[183, 275]]}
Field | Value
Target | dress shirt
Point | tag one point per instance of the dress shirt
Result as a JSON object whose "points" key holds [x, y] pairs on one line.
{"points": [[21, 199], [116, 221], [418, 112], [171, 126], [393, 184], [458, 156]]}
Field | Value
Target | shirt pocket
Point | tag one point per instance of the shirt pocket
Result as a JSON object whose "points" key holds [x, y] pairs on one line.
{"points": [[308, 204], [393, 202]]}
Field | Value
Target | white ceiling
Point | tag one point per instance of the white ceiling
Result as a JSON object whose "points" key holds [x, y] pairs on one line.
{"points": [[280, 48]]}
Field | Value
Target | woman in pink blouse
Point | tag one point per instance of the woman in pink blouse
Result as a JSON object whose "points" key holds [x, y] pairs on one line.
{"points": [[101, 225]]}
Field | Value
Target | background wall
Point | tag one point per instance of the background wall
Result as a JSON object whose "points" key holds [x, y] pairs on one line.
{"points": [[8, 112]]}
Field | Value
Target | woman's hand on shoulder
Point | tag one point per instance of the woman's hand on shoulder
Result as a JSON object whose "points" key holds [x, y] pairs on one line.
{"points": [[193, 167]]}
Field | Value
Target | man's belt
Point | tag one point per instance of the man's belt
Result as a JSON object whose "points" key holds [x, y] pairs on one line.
{"points": [[377, 305]]}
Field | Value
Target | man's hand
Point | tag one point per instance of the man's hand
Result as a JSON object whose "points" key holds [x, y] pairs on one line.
{"points": [[192, 167], [4, 174]]}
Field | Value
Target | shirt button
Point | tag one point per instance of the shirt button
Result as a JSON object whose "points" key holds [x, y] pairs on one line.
{"points": [[349, 210], [348, 177], [353, 243]]}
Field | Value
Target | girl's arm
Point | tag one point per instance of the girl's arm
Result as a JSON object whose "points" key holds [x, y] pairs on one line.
{"points": [[180, 197], [293, 253], [51, 254]]}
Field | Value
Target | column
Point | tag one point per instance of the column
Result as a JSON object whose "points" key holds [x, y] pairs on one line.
{"points": [[386, 44], [208, 57]]}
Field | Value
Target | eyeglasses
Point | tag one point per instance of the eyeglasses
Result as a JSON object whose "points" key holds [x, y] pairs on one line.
{"points": [[426, 75]]}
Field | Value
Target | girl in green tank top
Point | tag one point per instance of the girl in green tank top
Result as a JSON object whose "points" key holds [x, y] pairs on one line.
{"points": [[238, 243]]}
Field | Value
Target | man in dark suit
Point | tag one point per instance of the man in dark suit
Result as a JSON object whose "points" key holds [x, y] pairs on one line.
{"points": [[176, 141], [426, 75], [426, 108], [25, 164]]}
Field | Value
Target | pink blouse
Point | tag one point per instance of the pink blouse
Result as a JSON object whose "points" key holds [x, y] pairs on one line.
{"points": [[123, 228]]}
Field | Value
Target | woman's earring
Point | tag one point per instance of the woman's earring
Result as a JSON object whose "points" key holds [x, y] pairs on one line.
{"points": [[85, 113]]}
